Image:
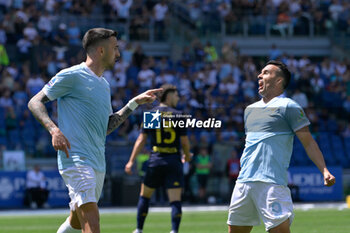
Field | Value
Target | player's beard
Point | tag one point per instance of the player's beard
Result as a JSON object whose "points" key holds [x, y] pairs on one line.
{"points": [[111, 63]]}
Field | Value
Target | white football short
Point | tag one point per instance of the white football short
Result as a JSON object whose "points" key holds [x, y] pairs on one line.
{"points": [[253, 201], [84, 184]]}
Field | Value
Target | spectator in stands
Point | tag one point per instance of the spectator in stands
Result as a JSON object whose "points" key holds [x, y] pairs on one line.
{"points": [[203, 165], [60, 36], [127, 53], [139, 56], [45, 26], [9, 25], [146, 77], [335, 9], [4, 59], [23, 46], [211, 53], [159, 13], [300, 98], [34, 84], [4, 6], [274, 52], [120, 69], [122, 9], [51, 6], [319, 22], [73, 33], [327, 68], [224, 9], [7, 80], [5, 99], [346, 105], [37, 193], [11, 119], [139, 25], [3, 37], [230, 52], [31, 33], [198, 51]]}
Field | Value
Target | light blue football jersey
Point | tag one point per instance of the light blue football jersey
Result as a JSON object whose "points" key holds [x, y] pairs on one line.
{"points": [[270, 130], [84, 106]]}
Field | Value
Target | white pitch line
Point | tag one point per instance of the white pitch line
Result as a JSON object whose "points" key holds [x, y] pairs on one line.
{"points": [[114, 210]]}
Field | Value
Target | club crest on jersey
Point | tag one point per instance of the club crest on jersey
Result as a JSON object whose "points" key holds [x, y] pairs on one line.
{"points": [[151, 120]]}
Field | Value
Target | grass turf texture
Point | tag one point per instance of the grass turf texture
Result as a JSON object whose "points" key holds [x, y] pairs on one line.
{"points": [[312, 221]]}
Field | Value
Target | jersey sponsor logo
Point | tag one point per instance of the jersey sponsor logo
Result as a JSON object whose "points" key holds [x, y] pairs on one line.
{"points": [[151, 120], [51, 82]]}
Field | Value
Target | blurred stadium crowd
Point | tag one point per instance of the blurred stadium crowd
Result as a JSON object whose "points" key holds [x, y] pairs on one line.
{"points": [[213, 82]]}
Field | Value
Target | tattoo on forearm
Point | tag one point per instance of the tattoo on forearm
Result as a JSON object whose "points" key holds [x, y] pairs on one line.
{"points": [[37, 106], [117, 118]]}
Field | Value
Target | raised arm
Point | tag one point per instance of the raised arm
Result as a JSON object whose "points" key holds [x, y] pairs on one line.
{"points": [[117, 118], [315, 154], [37, 106], [139, 144]]}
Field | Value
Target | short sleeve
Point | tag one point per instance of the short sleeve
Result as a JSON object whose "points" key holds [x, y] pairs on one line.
{"points": [[296, 116], [59, 86]]}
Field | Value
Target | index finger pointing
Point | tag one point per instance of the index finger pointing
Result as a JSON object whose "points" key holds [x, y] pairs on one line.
{"points": [[155, 90]]}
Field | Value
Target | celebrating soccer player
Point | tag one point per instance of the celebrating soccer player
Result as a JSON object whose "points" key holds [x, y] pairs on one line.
{"points": [[261, 190], [85, 117]]}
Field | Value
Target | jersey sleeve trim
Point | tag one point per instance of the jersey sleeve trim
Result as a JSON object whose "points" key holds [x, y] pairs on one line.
{"points": [[301, 126], [46, 92]]}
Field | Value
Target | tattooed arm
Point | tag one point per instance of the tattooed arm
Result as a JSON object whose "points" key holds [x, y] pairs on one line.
{"points": [[117, 118], [37, 106]]}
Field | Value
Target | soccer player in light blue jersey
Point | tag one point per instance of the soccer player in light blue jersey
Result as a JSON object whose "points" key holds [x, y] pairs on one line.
{"points": [[261, 191], [85, 117]]}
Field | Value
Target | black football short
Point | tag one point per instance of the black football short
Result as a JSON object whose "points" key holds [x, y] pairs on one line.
{"points": [[168, 176]]}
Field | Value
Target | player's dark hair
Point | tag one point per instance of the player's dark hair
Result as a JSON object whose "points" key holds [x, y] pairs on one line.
{"points": [[95, 35], [283, 71], [167, 88]]}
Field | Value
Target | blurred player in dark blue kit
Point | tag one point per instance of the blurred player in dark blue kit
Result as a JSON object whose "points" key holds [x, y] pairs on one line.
{"points": [[165, 167]]}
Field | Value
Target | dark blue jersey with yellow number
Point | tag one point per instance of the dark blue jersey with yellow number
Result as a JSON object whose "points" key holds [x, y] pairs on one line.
{"points": [[165, 141]]}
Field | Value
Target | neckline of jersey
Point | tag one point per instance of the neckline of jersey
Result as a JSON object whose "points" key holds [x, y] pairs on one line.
{"points": [[100, 78]]}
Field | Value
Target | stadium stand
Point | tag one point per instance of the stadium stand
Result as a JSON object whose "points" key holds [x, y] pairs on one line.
{"points": [[42, 37]]}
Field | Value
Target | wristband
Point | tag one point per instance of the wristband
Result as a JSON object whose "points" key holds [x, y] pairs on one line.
{"points": [[132, 105]]}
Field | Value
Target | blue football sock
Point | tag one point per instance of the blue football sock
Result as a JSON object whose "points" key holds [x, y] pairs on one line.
{"points": [[176, 214], [142, 211]]}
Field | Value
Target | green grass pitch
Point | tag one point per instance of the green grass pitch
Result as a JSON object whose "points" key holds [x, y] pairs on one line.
{"points": [[311, 221]]}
